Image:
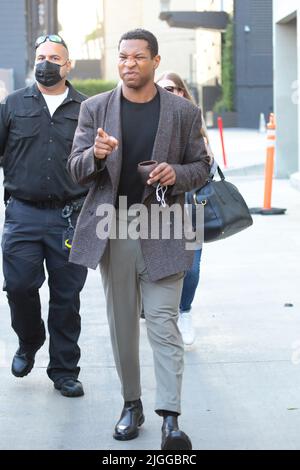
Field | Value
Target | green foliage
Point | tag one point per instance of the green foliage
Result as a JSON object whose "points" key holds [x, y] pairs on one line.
{"points": [[95, 34], [92, 87], [226, 103]]}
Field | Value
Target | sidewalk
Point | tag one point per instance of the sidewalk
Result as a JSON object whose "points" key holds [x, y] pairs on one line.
{"points": [[241, 386], [245, 150]]}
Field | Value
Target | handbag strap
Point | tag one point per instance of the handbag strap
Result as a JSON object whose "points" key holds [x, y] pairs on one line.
{"points": [[221, 174], [214, 169]]}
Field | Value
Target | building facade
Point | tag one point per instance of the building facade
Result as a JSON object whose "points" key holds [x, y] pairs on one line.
{"points": [[21, 22], [209, 44], [286, 20], [177, 46], [13, 40], [253, 52]]}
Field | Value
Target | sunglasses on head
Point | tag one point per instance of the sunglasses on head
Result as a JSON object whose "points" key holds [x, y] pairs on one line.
{"points": [[171, 88], [52, 37]]}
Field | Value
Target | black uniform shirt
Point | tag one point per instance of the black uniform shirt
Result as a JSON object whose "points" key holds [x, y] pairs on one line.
{"points": [[36, 146]]}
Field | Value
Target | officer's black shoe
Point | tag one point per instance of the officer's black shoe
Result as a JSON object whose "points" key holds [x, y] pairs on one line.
{"points": [[69, 387], [23, 361], [131, 418], [172, 437]]}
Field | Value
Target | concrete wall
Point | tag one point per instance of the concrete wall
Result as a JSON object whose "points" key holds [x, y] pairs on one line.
{"points": [[177, 46], [13, 51], [283, 9], [286, 18], [285, 64]]}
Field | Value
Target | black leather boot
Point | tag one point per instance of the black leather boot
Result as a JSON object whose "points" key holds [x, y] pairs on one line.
{"points": [[172, 437], [69, 387], [131, 419], [23, 361]]}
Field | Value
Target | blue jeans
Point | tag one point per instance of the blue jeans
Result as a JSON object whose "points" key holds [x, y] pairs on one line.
{"points": [[190, 283]]}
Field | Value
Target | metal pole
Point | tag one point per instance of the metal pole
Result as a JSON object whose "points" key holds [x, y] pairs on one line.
{"points": [[51, 16], [33, 30], [220, 125], [191, 68], [103, 53]]}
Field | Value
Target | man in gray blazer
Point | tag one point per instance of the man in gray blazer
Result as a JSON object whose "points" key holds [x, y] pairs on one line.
{"points": [[117, 130]]}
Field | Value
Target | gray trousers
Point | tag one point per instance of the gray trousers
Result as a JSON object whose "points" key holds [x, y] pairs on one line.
{"points": [[125, 281]]}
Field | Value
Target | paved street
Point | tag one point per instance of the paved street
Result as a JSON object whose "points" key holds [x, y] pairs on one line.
{"points": [[241, 386]]}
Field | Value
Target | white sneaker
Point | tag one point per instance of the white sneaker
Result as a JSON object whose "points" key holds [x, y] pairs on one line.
{"points": [[185, 325]]}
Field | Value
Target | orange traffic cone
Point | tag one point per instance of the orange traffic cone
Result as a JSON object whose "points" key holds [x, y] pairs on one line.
{"points": [[269, 171]]}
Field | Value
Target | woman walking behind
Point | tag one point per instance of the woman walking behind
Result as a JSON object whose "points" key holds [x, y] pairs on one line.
{"points": [[173, 83]]}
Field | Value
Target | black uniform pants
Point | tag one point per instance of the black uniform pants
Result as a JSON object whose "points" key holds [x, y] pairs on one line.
{"points": [[31, 236]]}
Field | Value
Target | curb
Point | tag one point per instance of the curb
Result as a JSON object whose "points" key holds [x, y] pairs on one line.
{"points": [[251, 170], [295, 181]]}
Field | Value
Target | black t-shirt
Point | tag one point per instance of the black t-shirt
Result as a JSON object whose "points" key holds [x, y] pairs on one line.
{"points": [[139, 127]]}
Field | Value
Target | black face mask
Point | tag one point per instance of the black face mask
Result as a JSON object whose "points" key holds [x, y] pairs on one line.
{"points": [[47, 73]]}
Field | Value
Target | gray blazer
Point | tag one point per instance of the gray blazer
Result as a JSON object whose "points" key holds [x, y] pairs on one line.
{"points": [[178, 141]]}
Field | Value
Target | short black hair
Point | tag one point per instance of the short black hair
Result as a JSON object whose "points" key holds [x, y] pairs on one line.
{"points": [[140, 33]]}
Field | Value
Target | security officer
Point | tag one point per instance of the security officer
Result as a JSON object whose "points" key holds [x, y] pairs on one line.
{"points": [[37, 126]]}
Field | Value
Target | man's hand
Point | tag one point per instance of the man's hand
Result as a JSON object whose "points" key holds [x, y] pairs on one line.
{"points": [[164, 173], [104, 144]]}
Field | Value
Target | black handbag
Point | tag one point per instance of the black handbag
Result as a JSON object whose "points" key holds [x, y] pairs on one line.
{"points": [[225, 211]]}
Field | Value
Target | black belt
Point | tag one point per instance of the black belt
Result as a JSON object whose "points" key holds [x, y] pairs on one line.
{"points": [[53, 204]]}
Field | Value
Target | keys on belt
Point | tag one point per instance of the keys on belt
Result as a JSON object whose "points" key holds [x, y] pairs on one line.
{"points": [[67, 211]]}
